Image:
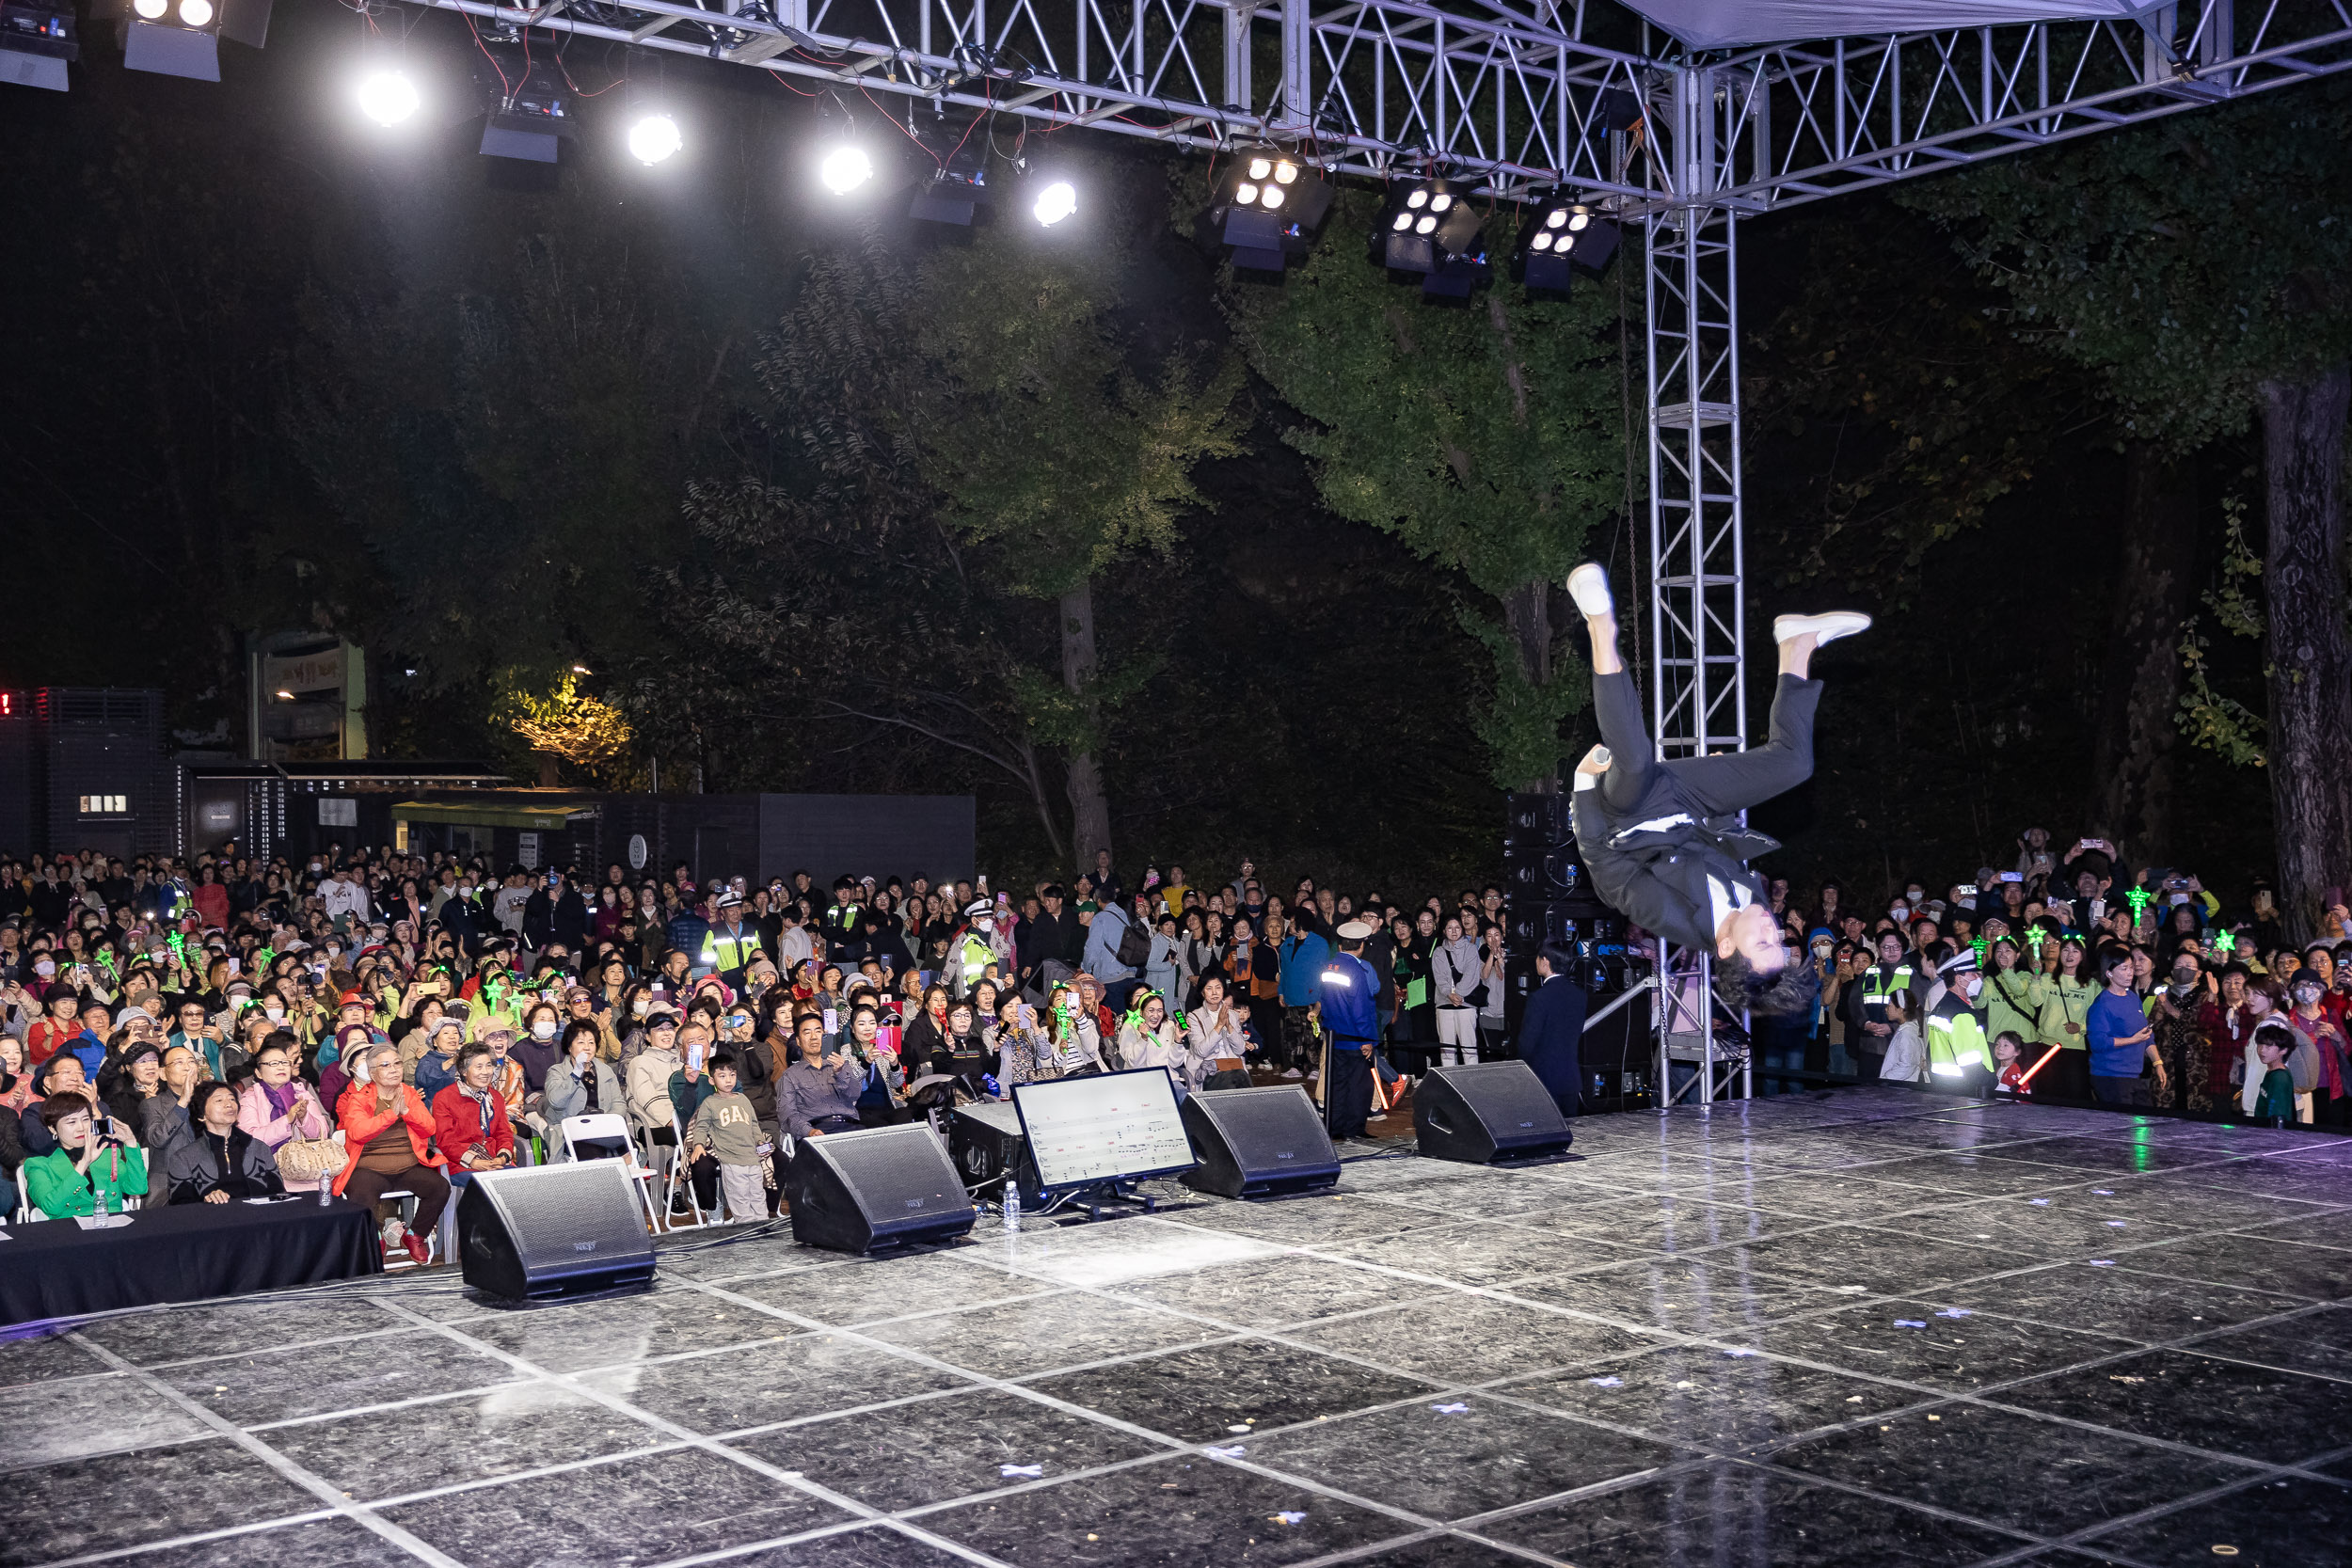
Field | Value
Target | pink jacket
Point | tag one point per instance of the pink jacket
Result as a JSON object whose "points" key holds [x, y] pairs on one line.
{"points": [[308, 1119]]}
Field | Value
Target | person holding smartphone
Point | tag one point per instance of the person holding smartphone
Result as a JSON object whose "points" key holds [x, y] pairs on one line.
{"points": [[96, 1167]]}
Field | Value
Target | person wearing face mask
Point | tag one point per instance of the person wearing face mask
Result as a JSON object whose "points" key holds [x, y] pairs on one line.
{"points": [[536, 1051], [2319, 1061], [1958, 1058], [2180, 1042]]}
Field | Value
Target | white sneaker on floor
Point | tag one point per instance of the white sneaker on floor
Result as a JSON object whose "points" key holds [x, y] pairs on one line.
{"points": [[1588, 585], [1294, 1072], [1826, 627]]}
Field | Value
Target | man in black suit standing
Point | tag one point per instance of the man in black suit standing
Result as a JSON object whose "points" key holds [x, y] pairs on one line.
{"points": [[1663, 841], [1551, 1030]]}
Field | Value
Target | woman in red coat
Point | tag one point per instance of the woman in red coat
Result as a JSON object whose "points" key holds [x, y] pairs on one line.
{"points": [[388, 1146], [471, 1132]]}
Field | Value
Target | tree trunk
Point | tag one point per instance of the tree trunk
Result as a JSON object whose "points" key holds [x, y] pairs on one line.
{"points": [[1089, 809], [2309, 654], [1527, 615], [2132, 752]]}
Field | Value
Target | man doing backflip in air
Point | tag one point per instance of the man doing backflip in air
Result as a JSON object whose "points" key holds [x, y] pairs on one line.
{"points": [[1663, 840]]}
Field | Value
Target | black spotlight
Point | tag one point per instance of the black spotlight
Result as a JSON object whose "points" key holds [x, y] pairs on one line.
{"points": [[1557, 236], [36, 40], [531, 112], [1423, 224], [956, 194], [1268, 207]]}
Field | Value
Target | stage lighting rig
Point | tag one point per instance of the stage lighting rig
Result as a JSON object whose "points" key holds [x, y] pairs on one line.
{"points": [[181, 38], [531, 109], [1557, 236], [36, 40], [1268, 207]]}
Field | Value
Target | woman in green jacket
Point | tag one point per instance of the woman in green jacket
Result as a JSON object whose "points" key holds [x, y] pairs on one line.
{"points": [[2008, 995], [90, 1171], [2062, 1009]]}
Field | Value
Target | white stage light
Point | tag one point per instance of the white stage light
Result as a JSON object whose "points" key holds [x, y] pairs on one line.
{"points": [[654, 138], [388, 97], [845, 170], [150, 10], [1055, 202], [196, 13]]}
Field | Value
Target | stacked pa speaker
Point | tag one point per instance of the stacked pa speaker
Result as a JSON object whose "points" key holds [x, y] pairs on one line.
{"points": [[1547, 898]]}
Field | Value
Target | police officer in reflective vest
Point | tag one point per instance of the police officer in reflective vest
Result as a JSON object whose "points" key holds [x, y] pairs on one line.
{"points": [[729, 946], [972, 952], [1959, 1058], [1890, 980], [1349, 1014]]}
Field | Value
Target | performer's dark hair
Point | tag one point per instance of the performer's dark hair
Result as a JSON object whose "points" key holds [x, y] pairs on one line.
{"points": [[1742, 988]]}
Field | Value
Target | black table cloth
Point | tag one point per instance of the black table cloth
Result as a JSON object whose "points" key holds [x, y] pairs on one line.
{"points": [[187, 1252]]}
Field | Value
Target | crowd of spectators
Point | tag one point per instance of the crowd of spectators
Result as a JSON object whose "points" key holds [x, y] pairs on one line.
{"points": [[377, 1023], [2070, 974]]}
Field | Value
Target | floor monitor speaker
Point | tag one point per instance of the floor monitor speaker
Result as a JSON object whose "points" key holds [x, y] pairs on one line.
{"points": [[855, 1192], [1255, 1143], [551, 1231], [1487, 1111]]}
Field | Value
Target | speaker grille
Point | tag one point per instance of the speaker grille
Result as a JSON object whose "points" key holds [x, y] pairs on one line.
{"points": [[893, 1177]]}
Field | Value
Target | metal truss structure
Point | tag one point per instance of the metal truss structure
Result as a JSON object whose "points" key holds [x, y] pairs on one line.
{"points": [[1515, 96]]}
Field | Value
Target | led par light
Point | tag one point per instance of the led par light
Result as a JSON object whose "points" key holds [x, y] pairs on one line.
{"points": [[1422, 224], [1556, 237], [181, 38], [1268, 207], [36, 40]]}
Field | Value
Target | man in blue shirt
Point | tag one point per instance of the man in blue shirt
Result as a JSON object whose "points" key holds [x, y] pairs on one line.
{"points": [[1106, 929], [1346, 992], [1302, 955], [2120, 1036]]}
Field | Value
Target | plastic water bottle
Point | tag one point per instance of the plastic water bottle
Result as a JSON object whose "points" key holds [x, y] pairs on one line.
{"points": [[1012, 1207]]}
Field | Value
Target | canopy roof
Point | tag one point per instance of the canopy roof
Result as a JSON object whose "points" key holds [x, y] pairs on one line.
{"points": [[1726, 24]]}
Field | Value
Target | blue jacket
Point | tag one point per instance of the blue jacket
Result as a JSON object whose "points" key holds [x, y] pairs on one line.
{"points": [[1302, 968], [1102, 955], [1349, 991]]}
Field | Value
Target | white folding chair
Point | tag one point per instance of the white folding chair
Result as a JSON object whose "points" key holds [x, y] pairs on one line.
{"points": [[666, 1162], [29, 1215], [608, 1128], [678, 1175]]}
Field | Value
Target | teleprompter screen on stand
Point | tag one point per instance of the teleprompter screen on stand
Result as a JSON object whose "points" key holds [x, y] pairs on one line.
{"points": [[1112, 1126]]}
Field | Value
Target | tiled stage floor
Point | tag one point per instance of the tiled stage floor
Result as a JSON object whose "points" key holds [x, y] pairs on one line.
{"points": [[1868, 1328]]}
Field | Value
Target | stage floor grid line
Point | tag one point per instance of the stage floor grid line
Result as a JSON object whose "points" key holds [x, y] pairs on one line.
{"points": [[1849, 1329]]}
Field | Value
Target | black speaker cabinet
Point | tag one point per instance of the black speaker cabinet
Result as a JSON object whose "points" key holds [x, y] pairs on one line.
{"points": [[985, 1142], [1492, 1111], [1255, 1143], [552, 1230], [855, 1192]]}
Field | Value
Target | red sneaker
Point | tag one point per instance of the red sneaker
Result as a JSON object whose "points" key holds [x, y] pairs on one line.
{"points": [[417, 1248]]}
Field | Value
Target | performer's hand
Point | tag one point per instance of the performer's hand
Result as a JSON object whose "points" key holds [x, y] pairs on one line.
{"points": [[1596, 762], [1367, 1052]]}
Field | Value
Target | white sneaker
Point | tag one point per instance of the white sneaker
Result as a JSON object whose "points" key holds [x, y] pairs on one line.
{"points": [[1826, 627], [1294, 1073], [1588, 585]]}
